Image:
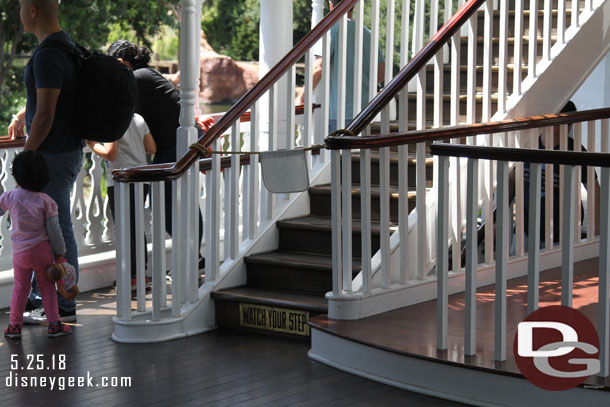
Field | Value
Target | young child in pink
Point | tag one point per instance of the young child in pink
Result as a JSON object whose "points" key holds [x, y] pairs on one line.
{"points": [[37, 240]]}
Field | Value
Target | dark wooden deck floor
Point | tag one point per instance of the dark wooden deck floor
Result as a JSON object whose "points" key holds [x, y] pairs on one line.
{"points": [[412, 330], [212, 369]]}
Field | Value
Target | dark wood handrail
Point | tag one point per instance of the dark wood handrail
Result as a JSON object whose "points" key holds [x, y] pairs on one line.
{"points": [[138, 174], [6, 142], [407, 73], [446, 133], [527, 155]]}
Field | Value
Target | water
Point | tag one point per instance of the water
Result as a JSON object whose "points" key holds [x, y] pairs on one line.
{"points": [[214, 108]]}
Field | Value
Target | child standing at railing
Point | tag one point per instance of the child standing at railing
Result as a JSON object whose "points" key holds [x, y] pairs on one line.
{"points": [[37, 240], [129, 151]]}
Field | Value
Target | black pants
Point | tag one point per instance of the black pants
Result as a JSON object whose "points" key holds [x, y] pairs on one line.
{"points": [[132, 223]]}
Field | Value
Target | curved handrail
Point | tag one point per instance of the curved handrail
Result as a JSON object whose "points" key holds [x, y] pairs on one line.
{"points": [[147, 173], [402, 78], [583, 158], [445, 133]]}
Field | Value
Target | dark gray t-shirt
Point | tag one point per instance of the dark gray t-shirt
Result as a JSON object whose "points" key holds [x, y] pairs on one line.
{"points": [[53, 68]]}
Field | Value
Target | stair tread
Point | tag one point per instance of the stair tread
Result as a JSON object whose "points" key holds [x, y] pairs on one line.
{"points": [[286, 299], [298, 259], [375, 190], [324, 223]]}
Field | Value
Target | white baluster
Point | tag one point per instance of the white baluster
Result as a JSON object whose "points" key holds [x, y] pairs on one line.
{"points": [[253, 187], [548, 186], [358, 16], [561, 21], [577, 203], [532, 51], [94, 203], [546, 31], [373, 67], [158, 252], [138, 200], [365, 217], [575, 12], [342, 66], [533, 235], [442, 271], [346, 211], [591, 183], [232, 234], [501, 258], [123, 265], [384, 224], [212, 232], [335, 163], [78, 208], [487, 49], [502, 59], [470, 322], [603, 317], [518, 61], [471, 70], [567, 237]]}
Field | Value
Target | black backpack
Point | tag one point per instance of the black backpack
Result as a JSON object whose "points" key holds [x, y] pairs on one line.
{"points": [[106, 94]]}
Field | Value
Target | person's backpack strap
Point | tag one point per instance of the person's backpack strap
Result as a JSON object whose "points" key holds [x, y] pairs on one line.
{"points": [[77, 50]]}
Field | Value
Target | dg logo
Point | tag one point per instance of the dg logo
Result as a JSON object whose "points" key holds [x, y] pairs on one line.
{"points": [[556, 348]]}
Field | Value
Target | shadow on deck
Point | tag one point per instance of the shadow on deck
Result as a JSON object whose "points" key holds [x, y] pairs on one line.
{"points": [[215, 369]]}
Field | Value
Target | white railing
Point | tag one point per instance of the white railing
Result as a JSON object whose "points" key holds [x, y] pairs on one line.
{"points": [[248, 208], [570, 235], [488, 92], [93, 226]]}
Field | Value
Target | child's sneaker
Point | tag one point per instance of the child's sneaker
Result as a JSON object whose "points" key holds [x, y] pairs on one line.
{"points": [[57, 329], [13, 331]]}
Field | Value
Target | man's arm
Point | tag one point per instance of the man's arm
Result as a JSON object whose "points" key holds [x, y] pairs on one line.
{"points": [[46, 103], [107, 151], [16, 129], [316, 76]]}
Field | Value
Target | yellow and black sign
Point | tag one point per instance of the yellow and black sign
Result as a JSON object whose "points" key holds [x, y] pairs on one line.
{"points": [[274, 319]]}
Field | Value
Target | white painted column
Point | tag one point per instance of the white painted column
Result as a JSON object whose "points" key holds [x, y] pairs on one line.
{"points": [[317, 14], [190, 70], [275, 42]]}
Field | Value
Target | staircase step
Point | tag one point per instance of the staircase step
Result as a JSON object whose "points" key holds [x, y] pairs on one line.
{"points": [[309, 273], [312, 234], [320, 201], [283, 313], [393, 168]]}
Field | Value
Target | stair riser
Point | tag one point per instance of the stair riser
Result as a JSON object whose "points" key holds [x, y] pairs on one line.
{"points": [[495, 52], [511, 23], [318, 241], [412, 110], [228, 319], [463, 80], [299, 279], [321, 205]]}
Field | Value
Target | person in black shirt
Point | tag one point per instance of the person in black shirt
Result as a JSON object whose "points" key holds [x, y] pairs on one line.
{"points": [[569, 107], [159, 104]]}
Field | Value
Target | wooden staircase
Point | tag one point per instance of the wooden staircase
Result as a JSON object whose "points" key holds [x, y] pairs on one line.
{"points": [[287, 286]]}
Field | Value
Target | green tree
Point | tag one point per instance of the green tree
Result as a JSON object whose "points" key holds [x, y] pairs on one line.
{"points": [[232, 26], [88, 21]]}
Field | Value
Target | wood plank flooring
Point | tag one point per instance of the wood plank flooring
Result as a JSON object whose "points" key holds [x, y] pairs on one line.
{"points": [[412, 330], [213, 369]]}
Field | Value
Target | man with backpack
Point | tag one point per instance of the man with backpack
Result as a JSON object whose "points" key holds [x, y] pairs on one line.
{"points": [[50, 79]]}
